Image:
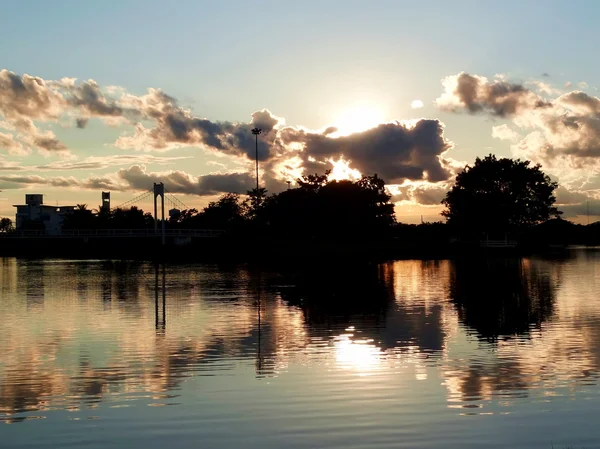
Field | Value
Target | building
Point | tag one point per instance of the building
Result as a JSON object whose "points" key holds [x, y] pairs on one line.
{"points": [[34, 210], [105, 206]]}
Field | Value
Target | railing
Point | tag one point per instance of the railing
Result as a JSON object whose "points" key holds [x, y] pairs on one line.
{"points": [[70, 233]]}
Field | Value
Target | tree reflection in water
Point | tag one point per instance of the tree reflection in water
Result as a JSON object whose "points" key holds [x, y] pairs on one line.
{"points": [[500, 298]]}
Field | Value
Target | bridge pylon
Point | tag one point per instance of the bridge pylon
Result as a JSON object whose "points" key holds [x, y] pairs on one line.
{"points": [[159, 190]]}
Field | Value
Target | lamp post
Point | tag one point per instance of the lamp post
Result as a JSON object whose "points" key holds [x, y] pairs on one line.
{"points": [[256, 132]]}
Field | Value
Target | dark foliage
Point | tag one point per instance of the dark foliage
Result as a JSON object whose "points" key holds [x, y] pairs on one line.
{"points": [[316, 209], [500, 195], [6, 224], [500, 298], [84, 218]]}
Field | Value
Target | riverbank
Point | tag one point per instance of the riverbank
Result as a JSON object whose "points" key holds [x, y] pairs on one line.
{"points": [[224, 249]]}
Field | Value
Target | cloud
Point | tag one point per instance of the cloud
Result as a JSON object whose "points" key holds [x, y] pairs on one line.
{"points": [[476, 94], [503, 132], [8, 143], [47, 142], [583, 85], [81, 122], [138, 178], [102, 162], [416, 104], [568, 85], [88, 98], [9, 166], [575, 203], [545, 74], [21, 181], [423, 193], [562, 134], [395, 151], [544, 88]]}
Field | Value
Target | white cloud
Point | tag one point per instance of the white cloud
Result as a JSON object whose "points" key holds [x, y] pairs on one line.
{"points": [[416, 104], [503, 132]]}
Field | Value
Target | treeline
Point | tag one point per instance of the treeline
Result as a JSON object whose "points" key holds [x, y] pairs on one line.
{"points": [[493, 199], [317, 208]]}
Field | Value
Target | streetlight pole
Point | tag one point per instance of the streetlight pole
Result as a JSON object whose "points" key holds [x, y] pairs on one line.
{"points": [[256, 132]]}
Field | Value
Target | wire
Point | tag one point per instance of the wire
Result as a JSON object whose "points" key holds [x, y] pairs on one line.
{"points": [[136, 199], [175, 201]]}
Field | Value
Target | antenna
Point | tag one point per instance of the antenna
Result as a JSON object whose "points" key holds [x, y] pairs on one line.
{"points": [[588, 211]]}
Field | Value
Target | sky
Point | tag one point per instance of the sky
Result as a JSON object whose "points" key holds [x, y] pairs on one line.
{"points": [[117, 95]]}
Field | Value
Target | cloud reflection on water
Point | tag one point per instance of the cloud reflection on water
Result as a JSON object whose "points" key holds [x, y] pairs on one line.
{"points": [[77, 334]]}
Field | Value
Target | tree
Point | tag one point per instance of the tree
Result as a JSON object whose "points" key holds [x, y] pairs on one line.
{"points": [[6, 224], [338, 210], [225, 213], [80, 218], [500, 195]]}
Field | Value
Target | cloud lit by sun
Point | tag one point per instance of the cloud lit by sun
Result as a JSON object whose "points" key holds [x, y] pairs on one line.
{"points": [[357, 119], [416, 104], [341, 170]]}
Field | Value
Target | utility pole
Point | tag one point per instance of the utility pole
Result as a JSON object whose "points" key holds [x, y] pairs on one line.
{"points": [[256, 132], [588, 211]]}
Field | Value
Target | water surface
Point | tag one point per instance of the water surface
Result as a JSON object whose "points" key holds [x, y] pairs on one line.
{"points": [[436, 354]]}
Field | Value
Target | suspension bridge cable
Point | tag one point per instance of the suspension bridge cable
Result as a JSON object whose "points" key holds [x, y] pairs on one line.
{"points": [[134, 200], [175, 201]]}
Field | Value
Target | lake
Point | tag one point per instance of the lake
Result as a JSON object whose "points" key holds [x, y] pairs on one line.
{"points": [[489, 353]]}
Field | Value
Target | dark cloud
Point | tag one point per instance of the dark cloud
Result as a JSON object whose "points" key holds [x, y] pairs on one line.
{"points": [[27, 97], [563, 134], [546, 75], [175, 126], [395, 151], [49, 142], [88, 97], [81, 123], [93, 183], [180, 182], [475, 94]]}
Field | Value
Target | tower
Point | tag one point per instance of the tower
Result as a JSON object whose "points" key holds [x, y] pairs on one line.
{"points": [[105, 205], [159, 190]]}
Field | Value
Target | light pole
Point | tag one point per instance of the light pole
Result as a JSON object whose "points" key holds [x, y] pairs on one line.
{"points": [[256, 132]]}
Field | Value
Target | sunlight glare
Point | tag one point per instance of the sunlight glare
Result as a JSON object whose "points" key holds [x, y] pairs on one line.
{"points": [[341, 171], [358, 118], [361, 355]]}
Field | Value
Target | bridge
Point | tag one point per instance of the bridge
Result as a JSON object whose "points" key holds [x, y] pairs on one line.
{"points": [[157, 191], [112, 233]]}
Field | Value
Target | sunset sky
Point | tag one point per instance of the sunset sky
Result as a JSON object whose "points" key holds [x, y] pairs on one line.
{"points": [[118, 95]]}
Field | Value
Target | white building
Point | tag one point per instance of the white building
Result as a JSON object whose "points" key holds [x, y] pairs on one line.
{"points": [[34, 209]]}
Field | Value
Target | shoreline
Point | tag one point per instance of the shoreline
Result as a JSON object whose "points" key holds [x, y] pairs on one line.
{"points": [[257, 250]]}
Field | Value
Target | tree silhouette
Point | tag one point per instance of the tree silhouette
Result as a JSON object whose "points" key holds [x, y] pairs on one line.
{"points": [[500, 195], [330, 209], [6, 224], [80, 218]]}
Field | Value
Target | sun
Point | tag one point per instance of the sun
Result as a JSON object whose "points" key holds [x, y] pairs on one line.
{"points": [[358, 118]]}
